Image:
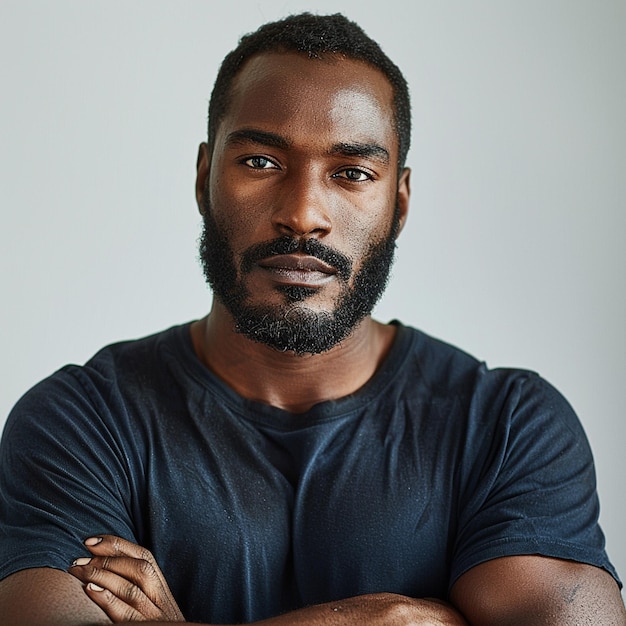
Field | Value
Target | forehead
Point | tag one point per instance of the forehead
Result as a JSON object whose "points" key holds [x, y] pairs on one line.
{"points": [[333, 99]]}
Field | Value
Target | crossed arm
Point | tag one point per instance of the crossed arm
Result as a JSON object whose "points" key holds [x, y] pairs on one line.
{"points": [[122, 583]]}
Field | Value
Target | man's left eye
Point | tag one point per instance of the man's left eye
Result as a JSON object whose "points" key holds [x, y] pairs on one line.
{"points": [[259, 163], [354, 175]]}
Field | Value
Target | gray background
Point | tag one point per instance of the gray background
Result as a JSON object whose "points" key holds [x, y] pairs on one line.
{"points": [[513, 250]]}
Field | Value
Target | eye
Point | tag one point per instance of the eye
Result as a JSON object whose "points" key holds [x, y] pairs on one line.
{"points": [[353, 175], [259, 163]]}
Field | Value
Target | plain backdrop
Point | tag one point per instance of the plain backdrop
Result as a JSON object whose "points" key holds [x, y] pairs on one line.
{"points": [[514, 249]]}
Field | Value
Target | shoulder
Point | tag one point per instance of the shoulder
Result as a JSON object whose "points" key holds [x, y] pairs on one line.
{"points": [[89, 394], [444, 370], [152, 352], [488, 412]]}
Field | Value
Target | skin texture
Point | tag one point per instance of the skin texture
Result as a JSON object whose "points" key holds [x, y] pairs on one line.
{"points": [[298, 184], [47, 597], [540, 591]]}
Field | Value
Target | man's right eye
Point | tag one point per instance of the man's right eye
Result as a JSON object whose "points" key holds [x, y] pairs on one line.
{"points": [[259, 163]]}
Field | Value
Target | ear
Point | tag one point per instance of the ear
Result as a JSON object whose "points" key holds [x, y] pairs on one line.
{"points": [[404, 191], [203, 166]]}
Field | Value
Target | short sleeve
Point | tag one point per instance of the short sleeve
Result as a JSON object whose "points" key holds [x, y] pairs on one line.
{"points": [[533, 486], [63, 477]]}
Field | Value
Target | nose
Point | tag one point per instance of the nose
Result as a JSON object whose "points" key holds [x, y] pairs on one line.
{"points": [[302, 206]]}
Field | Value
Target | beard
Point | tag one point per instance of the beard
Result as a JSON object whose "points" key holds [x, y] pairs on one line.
{"points": [[292, 327]]}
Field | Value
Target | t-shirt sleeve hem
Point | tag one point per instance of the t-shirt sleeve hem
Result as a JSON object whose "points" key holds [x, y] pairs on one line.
{"points": [[522, 546]]}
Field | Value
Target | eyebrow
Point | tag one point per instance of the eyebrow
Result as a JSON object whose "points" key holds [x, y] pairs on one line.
{"points": [[364, 150], [261, 137], [344, 148]]}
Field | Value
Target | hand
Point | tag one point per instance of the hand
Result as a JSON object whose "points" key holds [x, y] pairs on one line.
{"points": [[124, 580]]}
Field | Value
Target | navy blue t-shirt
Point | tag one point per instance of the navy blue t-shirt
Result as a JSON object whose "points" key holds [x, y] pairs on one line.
{"points": [[434, 466]]}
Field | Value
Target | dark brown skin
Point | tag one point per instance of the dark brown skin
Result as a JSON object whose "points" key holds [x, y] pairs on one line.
{"points": [[313, 106], [303, 190]]}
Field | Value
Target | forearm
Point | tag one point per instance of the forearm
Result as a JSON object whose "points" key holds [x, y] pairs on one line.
{"points": [[373, 609], [383, 609], [130, 587]]}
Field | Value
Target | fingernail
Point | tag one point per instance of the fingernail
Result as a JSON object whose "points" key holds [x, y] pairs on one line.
{"points": [[93, 541], [82, 561], [94, 587]]}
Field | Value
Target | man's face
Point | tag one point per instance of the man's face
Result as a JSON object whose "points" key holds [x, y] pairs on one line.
{"points": [[301, 199]]}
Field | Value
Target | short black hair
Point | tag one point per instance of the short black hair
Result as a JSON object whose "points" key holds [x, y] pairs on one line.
{"points": [[314, 35]]}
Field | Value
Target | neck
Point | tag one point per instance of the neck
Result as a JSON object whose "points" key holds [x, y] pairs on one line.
{"points": [[283, 379]]}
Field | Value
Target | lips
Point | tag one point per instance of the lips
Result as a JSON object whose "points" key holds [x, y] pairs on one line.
{"points": [[297, 262], [298, 269]]}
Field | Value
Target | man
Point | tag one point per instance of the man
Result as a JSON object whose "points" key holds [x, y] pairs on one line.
{"points": [[288, 458]]}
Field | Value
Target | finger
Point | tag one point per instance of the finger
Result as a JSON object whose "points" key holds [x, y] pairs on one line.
{"points": [[116, 609], [129, 594], [136, 581], [111, 545], [140, 573]]}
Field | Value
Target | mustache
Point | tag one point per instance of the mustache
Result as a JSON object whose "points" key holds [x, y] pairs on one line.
{"points": [[289, 245]]}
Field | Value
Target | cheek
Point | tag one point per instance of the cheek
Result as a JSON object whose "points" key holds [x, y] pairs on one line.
{"points": [[361, 232], [238, 214]]}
